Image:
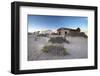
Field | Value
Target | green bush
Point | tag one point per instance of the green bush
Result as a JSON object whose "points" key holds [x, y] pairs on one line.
{"points": [[42, 35], [58, 40], [45, 48], [55, 50]]}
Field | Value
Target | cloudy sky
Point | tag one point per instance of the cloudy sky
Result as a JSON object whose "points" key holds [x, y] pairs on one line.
{"points": [[44, 22]]}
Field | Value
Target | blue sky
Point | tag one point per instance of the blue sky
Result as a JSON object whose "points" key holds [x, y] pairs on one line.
{"points": [[44, 22]]}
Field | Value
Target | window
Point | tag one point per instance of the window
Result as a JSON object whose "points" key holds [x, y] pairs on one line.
{"points": [[59, 33], [65, 33]]}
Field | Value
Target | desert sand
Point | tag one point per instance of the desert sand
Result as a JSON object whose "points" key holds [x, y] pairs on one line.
{"points": [[77, 49]]}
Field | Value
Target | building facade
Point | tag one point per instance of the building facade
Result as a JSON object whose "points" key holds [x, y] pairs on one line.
{"points": [[68, 31]]}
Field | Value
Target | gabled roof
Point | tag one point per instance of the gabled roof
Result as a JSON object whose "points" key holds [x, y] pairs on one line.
{"points": [[66, 29]]}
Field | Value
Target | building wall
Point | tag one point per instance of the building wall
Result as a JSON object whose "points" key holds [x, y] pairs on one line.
{"points": [[63, 32]]}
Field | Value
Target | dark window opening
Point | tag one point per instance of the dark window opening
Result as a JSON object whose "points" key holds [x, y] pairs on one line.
{"points": [[59, 33], [65, 33]]}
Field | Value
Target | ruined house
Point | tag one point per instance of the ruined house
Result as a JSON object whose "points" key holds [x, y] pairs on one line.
{"points": [[68, 31]]}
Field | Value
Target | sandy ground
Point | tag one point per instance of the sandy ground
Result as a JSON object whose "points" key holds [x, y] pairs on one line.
{"points": [[78, 48]]}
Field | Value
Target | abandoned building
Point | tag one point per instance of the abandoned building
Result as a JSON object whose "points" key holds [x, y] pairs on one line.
{"points": [[68, 31], [62, 32]]}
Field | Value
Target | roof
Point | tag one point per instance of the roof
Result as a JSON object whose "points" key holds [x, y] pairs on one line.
{"points": [[66, 29]]}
